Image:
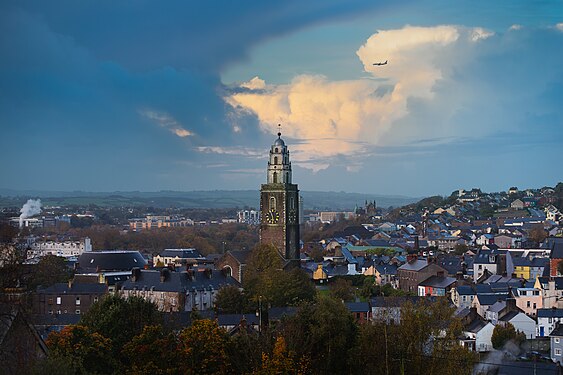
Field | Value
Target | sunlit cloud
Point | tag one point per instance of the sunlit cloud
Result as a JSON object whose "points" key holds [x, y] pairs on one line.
{"points": [[559, 26], [166, 121], [343, 118]]}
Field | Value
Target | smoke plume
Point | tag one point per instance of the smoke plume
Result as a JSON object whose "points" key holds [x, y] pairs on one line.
{"points": [[30, 208]]}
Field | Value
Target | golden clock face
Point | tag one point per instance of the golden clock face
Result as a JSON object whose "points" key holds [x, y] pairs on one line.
{"points": [[273, 216]]}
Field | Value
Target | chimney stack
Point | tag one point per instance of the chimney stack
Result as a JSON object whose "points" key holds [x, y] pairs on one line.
{"points": [[164, 274], [135, 274]]}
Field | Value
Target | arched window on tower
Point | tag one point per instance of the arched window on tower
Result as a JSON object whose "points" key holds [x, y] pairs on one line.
{"points": [[287, 177], [275, 177], [272, 203], [275, 160], [276, 150], [291, 203]]}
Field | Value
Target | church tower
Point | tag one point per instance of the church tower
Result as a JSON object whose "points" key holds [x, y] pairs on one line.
{"points": [[279, 205]]}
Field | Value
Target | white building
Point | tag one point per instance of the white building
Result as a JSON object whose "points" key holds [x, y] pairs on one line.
{"points": [[59, 248], [249, 217]]}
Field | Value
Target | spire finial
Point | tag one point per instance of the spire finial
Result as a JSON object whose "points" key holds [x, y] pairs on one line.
{"points": [[279, 130]]}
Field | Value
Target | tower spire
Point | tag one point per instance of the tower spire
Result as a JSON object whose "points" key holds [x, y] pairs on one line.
{"points": [[279, 130]]}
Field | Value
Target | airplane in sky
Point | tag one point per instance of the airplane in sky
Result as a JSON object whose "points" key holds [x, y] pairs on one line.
{"points": [[380, 63]]}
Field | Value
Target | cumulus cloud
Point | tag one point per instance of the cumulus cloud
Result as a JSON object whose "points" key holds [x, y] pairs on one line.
{"points": [[166, 121], [559, 26], [345, 118]]}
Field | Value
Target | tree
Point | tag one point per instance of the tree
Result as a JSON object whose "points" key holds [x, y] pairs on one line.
{"points": [[537, 234], [121, 319], [460, 249], [323, 331], [503, 334], [342, 289], [425, 342], [153, 351], [50, 270], [203, 348], [12, 270], [264, 278], [83, 349], [369, 288], [282, 361], [230, 300]]}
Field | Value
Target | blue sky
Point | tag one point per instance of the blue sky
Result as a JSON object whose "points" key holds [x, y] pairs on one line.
{"points": [[100, 96]]}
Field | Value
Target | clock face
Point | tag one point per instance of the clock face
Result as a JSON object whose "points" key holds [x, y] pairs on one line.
{"points": [[273, 216]]}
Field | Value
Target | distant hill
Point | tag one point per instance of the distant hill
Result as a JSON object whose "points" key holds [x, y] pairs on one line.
{"points": [[313, 200]]}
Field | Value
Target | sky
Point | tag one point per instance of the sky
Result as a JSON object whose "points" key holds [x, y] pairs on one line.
{"points": [[188, 95]]}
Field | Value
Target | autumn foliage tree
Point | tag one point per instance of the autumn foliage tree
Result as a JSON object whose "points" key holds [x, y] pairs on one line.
{"points": [[282, 361], [153, 351], [88, 351], [203, 348]]}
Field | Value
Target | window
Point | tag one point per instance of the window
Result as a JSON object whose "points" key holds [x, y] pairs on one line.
{"points": [[77, 312], [556, 340], [528, 304], [272, 203], [557, 351], [275, 160], [95, 299], [78, 300], [275, 177], [480, 267], [58, 300]]}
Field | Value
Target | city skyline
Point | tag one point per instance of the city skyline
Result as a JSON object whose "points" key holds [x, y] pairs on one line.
{"points": [[133, 97]]}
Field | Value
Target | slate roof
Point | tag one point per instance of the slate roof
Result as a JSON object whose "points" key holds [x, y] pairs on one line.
{"points": [[557, 250], [497, 306], [490, 299], [417, 265], [118, 260], [438, 282], [558, 331], [550, 313], [179, 281], [356, 307], [348, 256], [465, 290], [475, 326], [75, 288], [509, 316], [240, 255], [181, 253], [386, 269]]}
